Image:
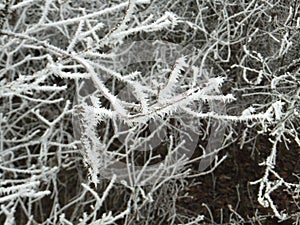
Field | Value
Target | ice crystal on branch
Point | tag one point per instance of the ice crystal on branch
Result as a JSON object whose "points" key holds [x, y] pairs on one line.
{"points": [[105, 84]]}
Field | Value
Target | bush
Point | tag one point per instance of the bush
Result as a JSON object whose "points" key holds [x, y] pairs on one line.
{"points": [[140, 92]]}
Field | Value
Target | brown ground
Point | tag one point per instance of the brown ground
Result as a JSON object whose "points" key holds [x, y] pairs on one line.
{"points": [[213, 194], [229, 185]]}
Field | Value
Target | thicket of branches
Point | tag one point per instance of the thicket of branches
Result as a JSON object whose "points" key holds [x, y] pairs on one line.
{"points": [[72, 94]]}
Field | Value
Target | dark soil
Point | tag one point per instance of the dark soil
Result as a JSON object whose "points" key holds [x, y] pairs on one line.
{"points": [[226, 195]]}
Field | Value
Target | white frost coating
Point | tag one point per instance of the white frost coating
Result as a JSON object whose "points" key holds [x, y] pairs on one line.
{"points": [[143, 1], [277, 106], [45, 43], [166, 91]]}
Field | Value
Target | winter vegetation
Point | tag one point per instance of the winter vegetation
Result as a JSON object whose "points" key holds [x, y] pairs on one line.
{"points": [[112, 111]]}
